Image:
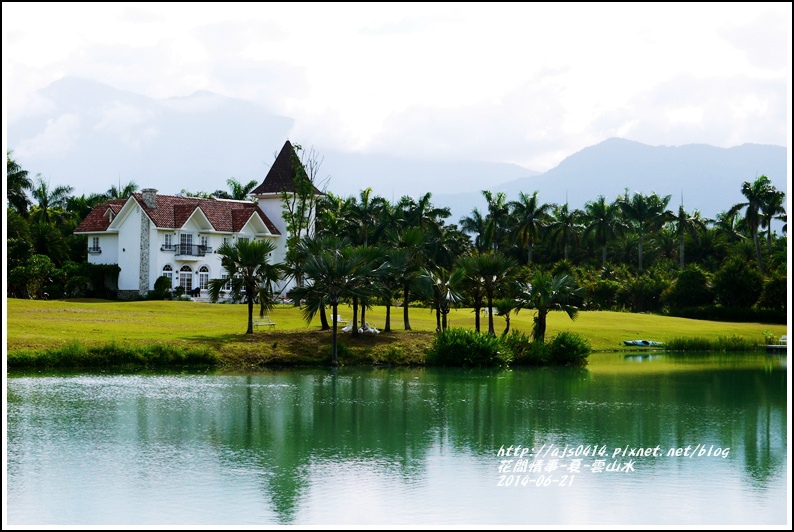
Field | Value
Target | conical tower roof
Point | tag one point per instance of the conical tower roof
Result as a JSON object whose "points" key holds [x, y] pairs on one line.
{"points": [[281, 177]]}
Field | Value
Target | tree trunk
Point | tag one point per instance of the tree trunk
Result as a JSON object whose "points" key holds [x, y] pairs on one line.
{"points": [[490, 316], [250, 314], [406, 323], [681, 253], [334, 359], [757, 243], [354, 321], [323, 319], [387, 326]]}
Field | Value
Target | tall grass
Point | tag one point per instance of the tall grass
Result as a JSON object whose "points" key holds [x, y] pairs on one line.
{"points": [[723, 344], [74, 355]]}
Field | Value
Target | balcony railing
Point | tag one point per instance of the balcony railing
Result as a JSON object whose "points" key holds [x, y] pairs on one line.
{"points": [[167, 247], [191, 250], [95, 250]]}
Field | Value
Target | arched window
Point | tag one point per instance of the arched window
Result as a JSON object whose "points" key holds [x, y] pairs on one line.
{"points": [[204, 277], [186, 278], [168, 272]]}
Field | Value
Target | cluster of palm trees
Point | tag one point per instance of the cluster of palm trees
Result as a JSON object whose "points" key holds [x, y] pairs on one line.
{"points": [[367, 249]]}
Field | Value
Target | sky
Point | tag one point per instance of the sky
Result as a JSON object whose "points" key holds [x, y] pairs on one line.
{"points": [[521, 83]]}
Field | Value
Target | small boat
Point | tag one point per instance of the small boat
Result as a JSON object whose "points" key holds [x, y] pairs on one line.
{"points": [[642, 343]]}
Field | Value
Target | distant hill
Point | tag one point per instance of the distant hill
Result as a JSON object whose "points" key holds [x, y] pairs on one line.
{"points": [[709, 178], [92, 136]]}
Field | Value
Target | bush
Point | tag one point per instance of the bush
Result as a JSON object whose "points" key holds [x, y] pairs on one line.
{"points": [[569, 349], [737, 284], [773, 295], [690, 289], [468, 348], [526, 352]]}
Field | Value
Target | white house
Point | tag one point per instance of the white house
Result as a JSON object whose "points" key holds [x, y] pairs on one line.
{"points": [[151, 234]]}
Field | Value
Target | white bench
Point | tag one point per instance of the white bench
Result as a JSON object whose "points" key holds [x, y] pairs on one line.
{"points": [[340, 319], [264, 322], [783, 340]]}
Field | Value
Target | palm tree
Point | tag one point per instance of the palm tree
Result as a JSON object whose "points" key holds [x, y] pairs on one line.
{"points": [[362, 219], [496, 220], [18, 182], [49, 199], [530, 219], [121, 192], [772, 210], [334, 275], [565, 226], [442, 288], [238, 190], [602, 222], [251, 275], [490, 271], [547, 293], [729, 226], [411, 241], [475, 224], [683, 224], [757, 194], [646, 214]]}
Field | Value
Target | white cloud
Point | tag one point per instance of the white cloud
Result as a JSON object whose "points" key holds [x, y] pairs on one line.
{"points": [[58, 138], [526, 83]]}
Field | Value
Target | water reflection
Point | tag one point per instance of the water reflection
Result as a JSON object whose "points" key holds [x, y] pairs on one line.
{"points": [[303, 446]]}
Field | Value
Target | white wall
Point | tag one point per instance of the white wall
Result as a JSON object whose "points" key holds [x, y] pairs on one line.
{"points": [[129, 250]]}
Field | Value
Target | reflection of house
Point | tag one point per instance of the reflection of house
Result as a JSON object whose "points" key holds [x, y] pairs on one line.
{"points": [[150, 234]]}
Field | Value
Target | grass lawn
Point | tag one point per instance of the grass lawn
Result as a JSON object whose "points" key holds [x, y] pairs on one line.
{"points": [[42, 325]]}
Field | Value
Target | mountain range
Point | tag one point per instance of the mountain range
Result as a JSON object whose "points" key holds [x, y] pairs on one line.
{"points": [[92, 136]]}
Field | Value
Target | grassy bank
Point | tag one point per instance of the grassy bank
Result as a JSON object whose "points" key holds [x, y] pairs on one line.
{"points": [[36, 327]]}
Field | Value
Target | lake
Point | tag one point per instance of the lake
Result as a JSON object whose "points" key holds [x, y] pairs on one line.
{"points": [[649, 439]]}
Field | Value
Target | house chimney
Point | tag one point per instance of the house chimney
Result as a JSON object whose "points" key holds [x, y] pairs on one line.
{"points": [[150, 197]]}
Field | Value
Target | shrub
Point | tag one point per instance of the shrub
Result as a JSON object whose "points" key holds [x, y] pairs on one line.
{"points": [[526, 352], [773, 295], [569, 349], [737, 284], [690, 289], [468, 348]]}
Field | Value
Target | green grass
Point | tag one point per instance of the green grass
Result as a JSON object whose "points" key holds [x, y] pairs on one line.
{"points": [[40, 326]]}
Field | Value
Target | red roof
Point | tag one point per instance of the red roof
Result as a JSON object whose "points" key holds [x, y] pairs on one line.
{"points": [[172, 212], [97, 219]]}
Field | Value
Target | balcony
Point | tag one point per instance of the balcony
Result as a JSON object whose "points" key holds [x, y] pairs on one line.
{"points": [[95, 250], [187, 251]]}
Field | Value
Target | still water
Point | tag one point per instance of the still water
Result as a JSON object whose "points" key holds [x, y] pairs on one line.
{"points": [[645, 440]]}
